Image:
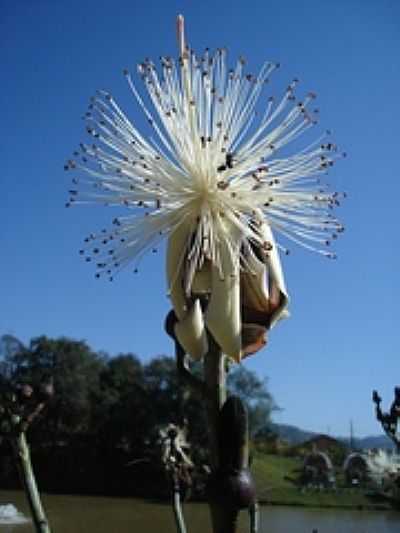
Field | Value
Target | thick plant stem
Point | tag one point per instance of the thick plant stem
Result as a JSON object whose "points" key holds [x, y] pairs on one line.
{"points": [[230, 486], [215, 380], [27, 476], [223, 519]]}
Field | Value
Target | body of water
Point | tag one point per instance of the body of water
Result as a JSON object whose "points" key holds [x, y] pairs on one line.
{"points": [[81, 514]]}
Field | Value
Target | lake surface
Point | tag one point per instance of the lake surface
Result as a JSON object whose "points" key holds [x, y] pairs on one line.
{"points": [[81, 514]]}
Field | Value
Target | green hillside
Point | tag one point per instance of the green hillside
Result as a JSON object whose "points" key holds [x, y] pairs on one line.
{"points": [[273, 473]]}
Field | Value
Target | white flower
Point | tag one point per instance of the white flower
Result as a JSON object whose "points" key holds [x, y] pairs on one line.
{"points": [[212, 179]]}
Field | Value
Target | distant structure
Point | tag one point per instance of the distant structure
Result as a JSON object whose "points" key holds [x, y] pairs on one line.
{"points": [[318, 470], [323, 443], [351, 442], [356, 469], [389, 421], [378, 470], [335, 449]]}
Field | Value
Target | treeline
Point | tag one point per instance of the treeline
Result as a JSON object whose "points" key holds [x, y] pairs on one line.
{"points": [[98, 433]]}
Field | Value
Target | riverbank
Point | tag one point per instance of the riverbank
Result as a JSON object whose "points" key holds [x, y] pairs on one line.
{"points": [[86, 514], [274, 477]]}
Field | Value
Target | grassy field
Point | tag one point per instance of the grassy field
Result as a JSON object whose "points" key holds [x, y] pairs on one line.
{"points": [[272, 474]]}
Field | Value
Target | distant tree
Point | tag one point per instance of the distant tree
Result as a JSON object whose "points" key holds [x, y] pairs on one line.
{"points": [[121, 404], [9, 347], [75, 371], [162, 387], [106, 411], [254, 392]]}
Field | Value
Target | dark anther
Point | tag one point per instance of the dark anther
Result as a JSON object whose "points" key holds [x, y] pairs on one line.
{"points": [[229, 160]]}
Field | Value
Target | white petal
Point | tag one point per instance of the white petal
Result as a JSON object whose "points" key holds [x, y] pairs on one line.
{"points": [[276, 273], [223, 311], [176, 251], [191, 332]]}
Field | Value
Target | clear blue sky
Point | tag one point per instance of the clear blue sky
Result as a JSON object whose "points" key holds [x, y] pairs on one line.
{"points": [[341, 341]]}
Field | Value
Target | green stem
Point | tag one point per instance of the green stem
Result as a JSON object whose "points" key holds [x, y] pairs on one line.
{"points": [[27, 476], [178, 514], [254, 518]]}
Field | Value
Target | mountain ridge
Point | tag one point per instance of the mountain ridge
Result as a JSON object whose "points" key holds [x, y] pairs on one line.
{"points": [[295, 435]]}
